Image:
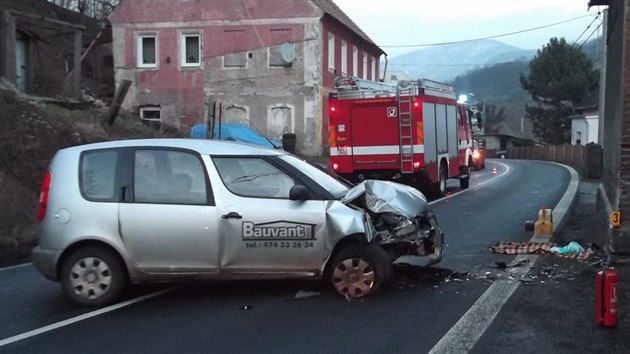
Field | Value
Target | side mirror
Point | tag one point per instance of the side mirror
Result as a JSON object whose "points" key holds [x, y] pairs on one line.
{"points": [[299, 192], [479, 118]]}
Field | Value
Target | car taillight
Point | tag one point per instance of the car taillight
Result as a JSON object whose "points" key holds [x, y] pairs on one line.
{"points": [[335, 166], [476, 155], [43, 197]]}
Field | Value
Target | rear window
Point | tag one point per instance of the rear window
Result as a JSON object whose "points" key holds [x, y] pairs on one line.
{"points": [[169, 177], [98, 175]]}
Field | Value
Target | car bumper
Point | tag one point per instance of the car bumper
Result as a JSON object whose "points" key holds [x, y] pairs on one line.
{"points": [[45, 261]]}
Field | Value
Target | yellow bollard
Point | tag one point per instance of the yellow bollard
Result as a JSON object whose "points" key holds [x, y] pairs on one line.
{"points": [[543, 227]]}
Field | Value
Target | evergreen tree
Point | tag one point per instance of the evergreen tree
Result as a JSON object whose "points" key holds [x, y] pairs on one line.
{"points": [[560, 76]]}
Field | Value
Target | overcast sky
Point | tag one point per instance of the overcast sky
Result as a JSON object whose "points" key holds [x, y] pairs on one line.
{"points": [[412, 22]]}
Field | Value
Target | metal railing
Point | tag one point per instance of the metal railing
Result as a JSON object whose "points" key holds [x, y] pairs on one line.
{"points": [[587, 159]]}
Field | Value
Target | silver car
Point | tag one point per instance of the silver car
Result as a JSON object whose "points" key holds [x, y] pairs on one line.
{"points": [[171, 209]]}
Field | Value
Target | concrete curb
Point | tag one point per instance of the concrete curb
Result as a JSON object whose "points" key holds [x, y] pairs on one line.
{"points": [[562, 210]]}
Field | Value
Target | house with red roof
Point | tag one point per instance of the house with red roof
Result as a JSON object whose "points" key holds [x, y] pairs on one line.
{"points": [[269, 64]]}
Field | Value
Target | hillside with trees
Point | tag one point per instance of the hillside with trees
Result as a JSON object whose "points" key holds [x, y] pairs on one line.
{"points": [[499, 87], [445, 62]]}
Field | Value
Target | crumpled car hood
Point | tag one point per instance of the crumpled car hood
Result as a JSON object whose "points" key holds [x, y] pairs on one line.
{"points": [[389, 197]]}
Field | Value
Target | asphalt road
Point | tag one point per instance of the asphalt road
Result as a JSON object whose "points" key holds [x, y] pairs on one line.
{"points": [[418, 311]]}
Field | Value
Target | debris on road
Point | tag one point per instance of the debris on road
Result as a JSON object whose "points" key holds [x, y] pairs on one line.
{"points": [[543, 248], [503, 265], [572, 248], [303, 294]]}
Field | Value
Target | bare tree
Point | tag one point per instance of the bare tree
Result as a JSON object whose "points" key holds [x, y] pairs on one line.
{"points": [[98, 9]]}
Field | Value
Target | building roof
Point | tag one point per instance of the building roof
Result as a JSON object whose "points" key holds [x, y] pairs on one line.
{"points": [[331, 9], [49, 10], [598, 3]]}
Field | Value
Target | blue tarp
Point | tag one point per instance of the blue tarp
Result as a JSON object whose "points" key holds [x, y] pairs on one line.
{"points": [[235, 132]]}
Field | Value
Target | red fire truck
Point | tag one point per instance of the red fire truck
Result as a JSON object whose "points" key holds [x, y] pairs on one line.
{"points": [[414, 133]]}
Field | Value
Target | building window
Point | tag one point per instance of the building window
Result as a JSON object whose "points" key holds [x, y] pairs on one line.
{"points": [[151, 113], [190, 49], [331, 51], [365, 66], [374, 69], [355, 61], [235, 60], [344, 57], [147, 52], [280, 120], [238, 114]]}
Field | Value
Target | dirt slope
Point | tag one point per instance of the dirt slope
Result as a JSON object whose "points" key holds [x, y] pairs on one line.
{"points": [[32, 129]]}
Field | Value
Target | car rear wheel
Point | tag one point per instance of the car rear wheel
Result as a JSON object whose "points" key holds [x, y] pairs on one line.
{"points": [[360, 270], [92, 276]]}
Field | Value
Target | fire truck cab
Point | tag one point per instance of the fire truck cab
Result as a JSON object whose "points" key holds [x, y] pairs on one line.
{"points": [[414, 133]]}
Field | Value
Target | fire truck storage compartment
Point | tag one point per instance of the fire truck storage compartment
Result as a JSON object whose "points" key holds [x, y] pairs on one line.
{"points": [[440, 123], [370, 123]]}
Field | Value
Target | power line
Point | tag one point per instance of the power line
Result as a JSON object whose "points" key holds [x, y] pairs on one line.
{"points": [[482, 38], [456, 65], [589, 37], [586, 29]]}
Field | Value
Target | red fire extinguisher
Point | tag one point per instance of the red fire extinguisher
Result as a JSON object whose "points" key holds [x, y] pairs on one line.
{"points": [[607, 280]]}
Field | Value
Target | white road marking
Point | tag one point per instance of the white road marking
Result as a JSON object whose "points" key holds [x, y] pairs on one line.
{"points": [[463, 336], [491, 180], [76, 319], [15, 267]]}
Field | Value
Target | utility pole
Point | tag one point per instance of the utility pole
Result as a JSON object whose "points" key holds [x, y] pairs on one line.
{"points": [[602, 79]]}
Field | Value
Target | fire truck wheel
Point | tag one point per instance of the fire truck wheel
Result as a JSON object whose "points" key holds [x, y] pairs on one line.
{"points": [[360, 270], [441, 185], [464, 182]]}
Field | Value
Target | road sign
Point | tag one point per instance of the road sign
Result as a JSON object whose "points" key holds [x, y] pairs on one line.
{"points": [[615, 218]]}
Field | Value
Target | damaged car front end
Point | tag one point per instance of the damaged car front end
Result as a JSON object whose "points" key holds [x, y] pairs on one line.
{"points": [[388, 221], [402, 222]]}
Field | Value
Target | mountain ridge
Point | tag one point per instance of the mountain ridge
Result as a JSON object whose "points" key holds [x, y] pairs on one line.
{"points": [[446, 62]]}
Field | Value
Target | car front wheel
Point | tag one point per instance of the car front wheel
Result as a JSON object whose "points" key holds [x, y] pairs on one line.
{"points": [[92, 276], [360, 270]]}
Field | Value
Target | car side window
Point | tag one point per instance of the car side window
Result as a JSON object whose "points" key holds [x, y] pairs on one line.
{"points": [[98, 175], [169, 177], [253, 177]]}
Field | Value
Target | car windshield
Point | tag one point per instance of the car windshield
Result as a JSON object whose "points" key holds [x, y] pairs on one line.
{"points": [[337, 188]]}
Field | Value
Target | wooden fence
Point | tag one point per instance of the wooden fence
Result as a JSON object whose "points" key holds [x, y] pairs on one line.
{"points": [[587, 159]]}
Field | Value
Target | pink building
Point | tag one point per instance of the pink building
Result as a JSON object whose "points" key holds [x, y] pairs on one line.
{"points": [[270, 63]]}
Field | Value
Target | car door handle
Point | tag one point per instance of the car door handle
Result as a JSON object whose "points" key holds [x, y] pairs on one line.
{"points": [[231, 215]]}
